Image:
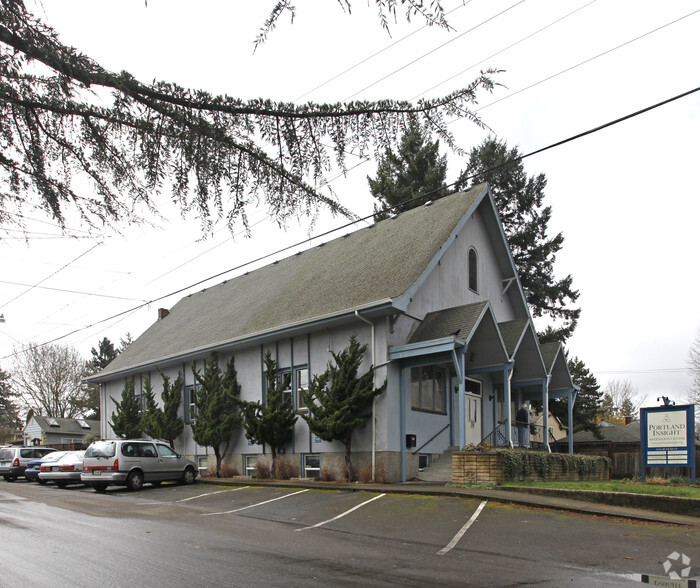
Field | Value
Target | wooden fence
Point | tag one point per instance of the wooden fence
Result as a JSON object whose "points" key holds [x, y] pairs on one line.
{"points": [[626, 458]]}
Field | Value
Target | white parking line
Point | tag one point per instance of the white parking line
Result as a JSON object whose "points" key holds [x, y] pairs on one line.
{"points": [[463, 530], [340, 516], [209, 514], [211, 494]]}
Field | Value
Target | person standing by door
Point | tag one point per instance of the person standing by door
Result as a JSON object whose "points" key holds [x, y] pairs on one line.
{"points": [[522, 421]]}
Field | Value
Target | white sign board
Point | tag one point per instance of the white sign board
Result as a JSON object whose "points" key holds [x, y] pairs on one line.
{"points": [[667, 429]]}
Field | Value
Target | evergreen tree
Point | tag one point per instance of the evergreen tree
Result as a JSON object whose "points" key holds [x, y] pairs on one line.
{"points": [[10, 422], [103, 355], [151, 419], [126, 419], [79, 138], [410, 177], [172, 424], [271, 422], [519, 199], [100, 359], [339, 401], [218, 407], [588, 399]]}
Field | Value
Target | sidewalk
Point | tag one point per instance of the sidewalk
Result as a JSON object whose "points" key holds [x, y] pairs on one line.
{"points": [[570, 501]]}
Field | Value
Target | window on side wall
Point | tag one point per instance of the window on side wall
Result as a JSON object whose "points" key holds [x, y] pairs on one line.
{"points": [[473, 271], [301, 381], [312, 465], [428, 389], [190, 405], [249, 464]]}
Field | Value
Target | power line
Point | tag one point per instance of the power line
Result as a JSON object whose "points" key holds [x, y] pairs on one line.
{"points": [[353, 222], [434, 50], [366, 59], [537, 32]]}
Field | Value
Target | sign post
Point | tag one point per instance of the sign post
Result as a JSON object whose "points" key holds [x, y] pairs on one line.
{"points": [[668, 437]]}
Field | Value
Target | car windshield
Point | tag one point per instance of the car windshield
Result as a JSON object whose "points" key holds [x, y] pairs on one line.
{"points": [[101, 449], [72, 456], [53, 456]]}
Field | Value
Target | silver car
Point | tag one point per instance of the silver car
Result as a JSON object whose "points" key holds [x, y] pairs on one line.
{"points": [[133, 462], [14, 460], [63, 471]]}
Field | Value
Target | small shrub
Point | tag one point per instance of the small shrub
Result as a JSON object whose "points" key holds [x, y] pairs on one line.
{"points": [[366, 474], [284, 470], [349, 473], [379, 473], [327, 474], [227, 471], [262, 470]]}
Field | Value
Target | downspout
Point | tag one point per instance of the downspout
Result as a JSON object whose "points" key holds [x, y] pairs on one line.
{"points": [[374, 400]]}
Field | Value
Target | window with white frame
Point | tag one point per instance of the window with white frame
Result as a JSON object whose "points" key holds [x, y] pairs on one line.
{"points": [[312, 465], [249, 462], [301, 382], [428, 389], [190, 404]]}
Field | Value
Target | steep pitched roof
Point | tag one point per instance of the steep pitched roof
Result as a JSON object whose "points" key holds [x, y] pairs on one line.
{"points": [[65, 426], [458, 321], [362, 270]]}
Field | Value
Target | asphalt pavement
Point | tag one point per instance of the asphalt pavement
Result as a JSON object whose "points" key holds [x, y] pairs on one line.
{"points": [[628, 506]]}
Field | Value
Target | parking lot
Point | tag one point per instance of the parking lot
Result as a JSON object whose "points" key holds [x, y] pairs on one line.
{"points": [[244, 535]]}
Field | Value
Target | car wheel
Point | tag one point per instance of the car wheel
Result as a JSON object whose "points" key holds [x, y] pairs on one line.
{"points": [[61, 484], [135, 480], [100, 487], [188, 477], [41, 481], [9, 478]]}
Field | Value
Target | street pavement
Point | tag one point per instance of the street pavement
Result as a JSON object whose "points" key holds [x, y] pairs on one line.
{"points": [[574, 502]]}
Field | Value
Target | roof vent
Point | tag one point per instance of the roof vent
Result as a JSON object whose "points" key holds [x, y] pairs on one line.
{"points": [[428, 203], [162, 313], [394, 215]]}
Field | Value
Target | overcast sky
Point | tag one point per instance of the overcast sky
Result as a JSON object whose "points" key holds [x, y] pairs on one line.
{"points": [[625, 198]]}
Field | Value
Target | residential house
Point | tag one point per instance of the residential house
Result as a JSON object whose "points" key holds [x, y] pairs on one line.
{"points": [[60, 432], [434, 294]]}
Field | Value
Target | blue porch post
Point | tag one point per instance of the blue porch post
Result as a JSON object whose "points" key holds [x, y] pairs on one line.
{"points": [[402, 421], [545, 414], [460, 421], [571, 400], [507, 371]]}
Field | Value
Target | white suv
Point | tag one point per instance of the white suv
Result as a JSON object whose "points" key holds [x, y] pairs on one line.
{"points": [[132, 462]]}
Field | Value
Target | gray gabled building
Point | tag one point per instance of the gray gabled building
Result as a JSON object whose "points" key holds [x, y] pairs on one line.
{"points": [[60, 432], [433, 292]]}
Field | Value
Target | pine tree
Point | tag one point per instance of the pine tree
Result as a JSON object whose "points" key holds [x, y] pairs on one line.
{"points": [[519, 199], [172, 424], [218, 407], [412, 176], [163, 423], [126, 419], [271, 422], [10, 422], [588, 400], [339, 401]]}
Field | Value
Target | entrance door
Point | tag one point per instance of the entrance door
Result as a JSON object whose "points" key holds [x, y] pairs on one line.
{"points": [[472, 412]]}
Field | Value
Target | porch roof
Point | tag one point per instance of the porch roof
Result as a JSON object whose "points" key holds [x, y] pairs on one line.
{"points": [[560, 382]]}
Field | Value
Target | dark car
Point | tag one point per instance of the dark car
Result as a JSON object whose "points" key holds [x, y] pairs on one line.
{"points": [[31, 474], [14, 460]]}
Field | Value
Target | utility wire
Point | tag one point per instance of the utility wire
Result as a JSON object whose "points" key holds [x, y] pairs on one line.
{"points": [[366, 59], [433, 50], [51, 275], [353, 222], [523, 39]]}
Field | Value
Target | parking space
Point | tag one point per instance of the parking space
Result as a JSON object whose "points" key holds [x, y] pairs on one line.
{"points": [[411, 519]]}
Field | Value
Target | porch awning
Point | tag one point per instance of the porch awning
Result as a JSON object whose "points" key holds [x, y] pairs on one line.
{"points": [[471, 325], [560, 381]]}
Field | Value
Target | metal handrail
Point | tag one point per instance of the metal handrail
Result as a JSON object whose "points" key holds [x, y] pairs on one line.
{"points": [[447, 426]]}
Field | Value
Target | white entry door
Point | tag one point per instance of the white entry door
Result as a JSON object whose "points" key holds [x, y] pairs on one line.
{"points": [[472, 408]]}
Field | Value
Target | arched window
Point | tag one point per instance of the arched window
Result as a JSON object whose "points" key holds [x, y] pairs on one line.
{"points": [[473, 282]]}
